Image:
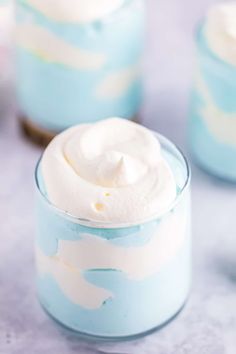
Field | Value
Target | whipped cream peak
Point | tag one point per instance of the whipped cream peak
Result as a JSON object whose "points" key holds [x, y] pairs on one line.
{"points": [[112, 171], [220, 31], [115, 169], [110, 153]]}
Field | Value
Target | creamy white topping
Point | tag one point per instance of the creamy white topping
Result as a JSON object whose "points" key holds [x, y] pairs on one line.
{"points": [[110, 171], [80, 11], [220, 31], [222, 125], [49, 47]]}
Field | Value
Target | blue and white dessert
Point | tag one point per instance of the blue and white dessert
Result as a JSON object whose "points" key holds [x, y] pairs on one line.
{"points": [[113, 241], [213, 105], [78, 61]]}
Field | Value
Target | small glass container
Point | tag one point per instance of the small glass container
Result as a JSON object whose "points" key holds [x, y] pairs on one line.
{"points": [[212, 123], [115, 281], [69, 72]]}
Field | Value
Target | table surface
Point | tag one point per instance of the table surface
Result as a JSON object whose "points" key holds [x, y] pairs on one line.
{"points": [[207, 325]]}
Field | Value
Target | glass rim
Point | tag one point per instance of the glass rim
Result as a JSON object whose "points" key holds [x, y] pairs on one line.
{"points": [[112, 225]]}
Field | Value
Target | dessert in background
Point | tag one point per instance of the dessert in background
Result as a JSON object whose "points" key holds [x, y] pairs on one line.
{"points": [[77, 61], [113, 243], [6, 23], [213, 103]]}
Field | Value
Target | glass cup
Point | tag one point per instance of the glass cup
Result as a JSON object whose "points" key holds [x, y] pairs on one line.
{"points": [[115, 281], [212, 123], [69, 73]]}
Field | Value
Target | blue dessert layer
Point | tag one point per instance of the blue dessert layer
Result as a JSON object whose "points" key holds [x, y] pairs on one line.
{"points": [[137, 306], [56, 96], [214, 156], [219, 76], [215, 152]]}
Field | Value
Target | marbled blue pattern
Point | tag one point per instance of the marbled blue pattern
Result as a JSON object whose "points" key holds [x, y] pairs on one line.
{"points": [[137, 305], [220, 79], [214, 156], [56, 96]]}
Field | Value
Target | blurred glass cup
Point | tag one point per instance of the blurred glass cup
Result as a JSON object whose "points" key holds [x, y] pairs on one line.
{"points": [[212, 122], [72, 71]]}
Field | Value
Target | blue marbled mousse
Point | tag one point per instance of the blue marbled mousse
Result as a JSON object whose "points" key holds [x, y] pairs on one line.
{"points": [[220, 78], [56, 96], [137, 306]]}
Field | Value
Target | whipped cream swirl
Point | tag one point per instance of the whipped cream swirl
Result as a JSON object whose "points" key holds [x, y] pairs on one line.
{"points": [[220, 31], [111, 171]]}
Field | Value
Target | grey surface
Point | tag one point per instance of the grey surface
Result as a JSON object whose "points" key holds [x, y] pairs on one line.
{"points": [[207, 325]]}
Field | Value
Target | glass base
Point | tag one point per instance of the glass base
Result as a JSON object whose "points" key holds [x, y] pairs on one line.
{"points": [[36, 134], [93, 337]]}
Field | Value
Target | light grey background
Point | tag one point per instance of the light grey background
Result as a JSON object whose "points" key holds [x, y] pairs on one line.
{"points": [[207, 325]]}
